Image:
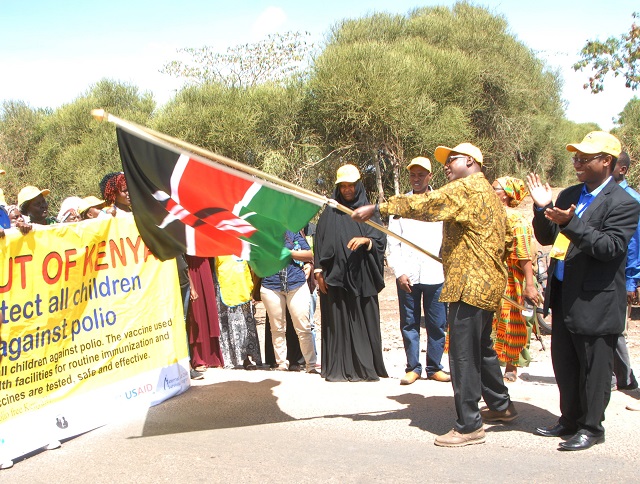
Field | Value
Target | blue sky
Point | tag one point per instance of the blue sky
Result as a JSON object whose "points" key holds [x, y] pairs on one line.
{"points": [[51, 52]]}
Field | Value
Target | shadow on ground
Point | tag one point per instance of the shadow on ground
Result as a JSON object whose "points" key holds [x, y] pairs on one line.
{"points": [[436, 414], [228, 404], [237, 404]]}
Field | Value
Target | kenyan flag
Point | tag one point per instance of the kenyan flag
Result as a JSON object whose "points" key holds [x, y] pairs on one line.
{"points": [[186, 204]]}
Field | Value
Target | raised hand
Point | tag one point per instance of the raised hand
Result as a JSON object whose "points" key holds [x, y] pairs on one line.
{"points": [[540, 193]]}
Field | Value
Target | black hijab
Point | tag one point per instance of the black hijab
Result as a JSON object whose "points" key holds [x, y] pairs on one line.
{"points": [[361, 272]]}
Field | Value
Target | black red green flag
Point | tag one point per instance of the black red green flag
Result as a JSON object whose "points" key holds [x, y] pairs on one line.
{"points": [[182, 204]]}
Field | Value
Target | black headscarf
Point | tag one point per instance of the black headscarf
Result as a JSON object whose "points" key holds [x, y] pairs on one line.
{"points": [[361, 272]]}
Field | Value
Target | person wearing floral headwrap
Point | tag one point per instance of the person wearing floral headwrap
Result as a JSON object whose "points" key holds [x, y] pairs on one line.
{"points": [[511, 331]]}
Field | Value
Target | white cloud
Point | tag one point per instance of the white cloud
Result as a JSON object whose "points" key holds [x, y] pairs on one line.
{"points": [[268, 22]]}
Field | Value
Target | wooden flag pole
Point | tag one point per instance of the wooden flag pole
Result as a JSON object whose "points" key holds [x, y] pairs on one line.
{"points": [[102, 115]]}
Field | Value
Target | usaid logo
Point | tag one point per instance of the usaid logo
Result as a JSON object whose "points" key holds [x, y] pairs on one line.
{"points": [[133, 393]]}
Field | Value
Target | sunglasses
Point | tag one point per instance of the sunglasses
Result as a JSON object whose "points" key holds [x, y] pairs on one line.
{"points": [[451, 159], [584, 161]]}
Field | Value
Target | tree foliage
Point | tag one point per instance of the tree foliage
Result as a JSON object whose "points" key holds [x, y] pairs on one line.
{"points": [[628, 131], [394, 87], [66, 150], [616, 55], [385, 88], [20, 132], [275, 59]]}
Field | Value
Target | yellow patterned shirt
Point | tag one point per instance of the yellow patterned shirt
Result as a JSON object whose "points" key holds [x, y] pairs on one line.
{"points": [[475, 238]]}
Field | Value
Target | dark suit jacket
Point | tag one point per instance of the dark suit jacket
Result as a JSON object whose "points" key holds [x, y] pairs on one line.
{"points": [[593, 291]]}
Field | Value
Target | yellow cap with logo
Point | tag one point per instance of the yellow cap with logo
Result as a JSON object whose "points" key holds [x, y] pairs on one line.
{"points": [[597, 142]]}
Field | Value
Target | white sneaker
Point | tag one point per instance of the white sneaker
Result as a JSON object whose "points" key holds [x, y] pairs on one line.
{"points": [[6, 465]]}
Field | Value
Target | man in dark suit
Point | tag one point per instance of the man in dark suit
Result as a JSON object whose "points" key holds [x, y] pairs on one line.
{"points": [[589, 227]]}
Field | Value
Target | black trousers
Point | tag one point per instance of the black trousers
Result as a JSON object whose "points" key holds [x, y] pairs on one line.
{"points": [[475, 370], [583, 366]]}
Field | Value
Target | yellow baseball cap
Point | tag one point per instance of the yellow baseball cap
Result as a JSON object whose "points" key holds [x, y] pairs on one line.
{"points": [[442, 152], [421, 161], [597, 142], [29, 193], [347, 173]]}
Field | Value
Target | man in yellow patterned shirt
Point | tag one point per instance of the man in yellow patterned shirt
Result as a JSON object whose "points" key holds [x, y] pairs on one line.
{"points": [[474, 248]]}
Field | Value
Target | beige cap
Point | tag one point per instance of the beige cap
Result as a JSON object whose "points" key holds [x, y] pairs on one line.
{"points": [[347, 173], [421, 161], [442, 152]]}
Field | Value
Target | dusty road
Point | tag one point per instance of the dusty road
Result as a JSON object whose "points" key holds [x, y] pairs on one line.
{"points": [[265, 426]]}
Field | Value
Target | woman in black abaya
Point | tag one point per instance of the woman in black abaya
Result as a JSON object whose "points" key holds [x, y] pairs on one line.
{"points": [[350, 274]]}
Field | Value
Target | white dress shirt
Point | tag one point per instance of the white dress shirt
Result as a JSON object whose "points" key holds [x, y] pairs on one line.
{"points": [[420, 268]]}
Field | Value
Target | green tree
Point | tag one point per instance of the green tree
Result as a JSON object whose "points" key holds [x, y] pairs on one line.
{"points": [[628, 131], [21, 129], [616, 55], [388, 87], [73, 151], [262, 126]]}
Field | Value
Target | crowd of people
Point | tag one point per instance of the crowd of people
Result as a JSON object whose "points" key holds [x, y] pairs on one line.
{"points": [[487, 255], [473, 299]]}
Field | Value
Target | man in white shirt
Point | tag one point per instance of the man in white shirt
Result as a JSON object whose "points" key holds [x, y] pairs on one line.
{"points": [[419, 281]]}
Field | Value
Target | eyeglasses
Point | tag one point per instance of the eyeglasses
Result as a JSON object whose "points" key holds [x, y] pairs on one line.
{"points": [[584, 161], [451, 159]]}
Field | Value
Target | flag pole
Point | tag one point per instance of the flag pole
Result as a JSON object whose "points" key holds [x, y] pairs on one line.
{"points": [[102, 115]]}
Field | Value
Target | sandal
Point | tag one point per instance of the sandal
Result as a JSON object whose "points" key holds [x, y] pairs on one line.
{"points": [[510, 376], [201, 368]]}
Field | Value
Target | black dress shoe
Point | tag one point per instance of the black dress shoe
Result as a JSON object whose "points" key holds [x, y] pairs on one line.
{"points": [[581, 441], [557, 430]]}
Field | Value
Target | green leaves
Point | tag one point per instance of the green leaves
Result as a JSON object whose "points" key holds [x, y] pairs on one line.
{"points": [[616, 55]]}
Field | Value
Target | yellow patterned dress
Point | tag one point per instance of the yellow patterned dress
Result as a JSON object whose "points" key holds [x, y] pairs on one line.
{"points": [[512, 334]]}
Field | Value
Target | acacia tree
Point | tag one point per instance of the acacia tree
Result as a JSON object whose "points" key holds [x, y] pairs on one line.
{"points": [[275, 59], [387, 88], [616, 55], [247, 104]]}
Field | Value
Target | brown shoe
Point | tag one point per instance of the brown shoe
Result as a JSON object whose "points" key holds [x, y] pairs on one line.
{"points": [[440, 376], [456, 439], [409, 378], [507, 415]]}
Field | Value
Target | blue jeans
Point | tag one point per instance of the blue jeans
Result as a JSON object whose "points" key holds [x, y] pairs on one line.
{"points": [[435, 322]]}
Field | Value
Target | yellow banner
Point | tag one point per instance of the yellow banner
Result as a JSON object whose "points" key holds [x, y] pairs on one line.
{"points": [[85, 306]]}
